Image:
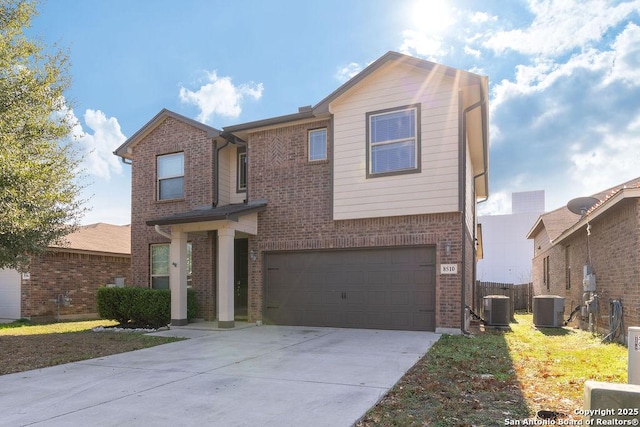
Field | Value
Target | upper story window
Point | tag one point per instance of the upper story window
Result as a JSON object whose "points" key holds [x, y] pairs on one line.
{"points": [[242, 171], [317, 144], [393, 141], [171, 176]]}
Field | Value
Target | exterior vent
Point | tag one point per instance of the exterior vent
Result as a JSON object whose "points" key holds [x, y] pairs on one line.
{"points": [[548, 311], [497, 310]]}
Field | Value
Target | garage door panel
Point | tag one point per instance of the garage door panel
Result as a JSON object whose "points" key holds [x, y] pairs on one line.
{"points": [[363, 288]]}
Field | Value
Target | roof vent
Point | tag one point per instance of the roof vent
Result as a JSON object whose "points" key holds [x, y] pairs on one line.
{"points": [[305, 109]]}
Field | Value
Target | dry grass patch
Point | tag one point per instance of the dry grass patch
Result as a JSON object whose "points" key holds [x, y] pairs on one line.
{"points": [[24, 346]]}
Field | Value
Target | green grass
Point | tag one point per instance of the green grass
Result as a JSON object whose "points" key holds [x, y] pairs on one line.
{"points": [[497, 375]]}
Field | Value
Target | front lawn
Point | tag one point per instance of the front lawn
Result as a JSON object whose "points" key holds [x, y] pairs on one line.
{"points": [[495, 376], [25, 346]]}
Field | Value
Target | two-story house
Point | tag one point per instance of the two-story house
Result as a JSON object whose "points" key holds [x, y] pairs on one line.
{"points": [[358, 212]]}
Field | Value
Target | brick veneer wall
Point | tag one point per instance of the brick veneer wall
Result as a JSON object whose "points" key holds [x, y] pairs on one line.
{"points": [[299, 217], [613, 251], [78, 275], [173, 136]]}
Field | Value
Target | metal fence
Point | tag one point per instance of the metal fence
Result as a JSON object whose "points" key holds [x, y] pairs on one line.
{"points": [[521, 294]]}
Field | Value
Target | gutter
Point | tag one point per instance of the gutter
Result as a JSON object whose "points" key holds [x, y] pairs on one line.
{"points": [[463, 205]]}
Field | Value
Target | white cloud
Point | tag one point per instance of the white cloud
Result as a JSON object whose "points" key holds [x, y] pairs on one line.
{"points": [[560, 26], [98, 147], [472, 52], [498, 203], [482, 18], [422, 43], [348, 71], [613, 161], [626, 62], [219, 96]]}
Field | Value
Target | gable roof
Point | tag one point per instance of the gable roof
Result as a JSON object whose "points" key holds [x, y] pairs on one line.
{"points": [[124, 150], [98, 238], [465, 77], [561, 222]]}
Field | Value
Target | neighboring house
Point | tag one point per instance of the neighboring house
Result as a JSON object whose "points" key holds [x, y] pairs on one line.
{"points": [[606, 238], [341, 214], [507, 253], [62, 281]]}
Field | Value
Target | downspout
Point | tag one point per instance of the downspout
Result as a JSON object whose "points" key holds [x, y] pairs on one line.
{"points": [[160, 232], [463, 202]]}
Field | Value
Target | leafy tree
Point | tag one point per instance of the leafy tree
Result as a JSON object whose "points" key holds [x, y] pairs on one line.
{"points": [[39, 201]]}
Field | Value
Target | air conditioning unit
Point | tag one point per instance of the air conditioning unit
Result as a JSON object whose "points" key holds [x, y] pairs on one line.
{"points": [[497, 310], [548, 311]]}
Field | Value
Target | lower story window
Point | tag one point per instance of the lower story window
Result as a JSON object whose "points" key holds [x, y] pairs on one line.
{"points": [[160, 266]]}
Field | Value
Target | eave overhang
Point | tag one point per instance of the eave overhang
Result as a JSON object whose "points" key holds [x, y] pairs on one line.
{"points": [[231, 212], [597, 211]]}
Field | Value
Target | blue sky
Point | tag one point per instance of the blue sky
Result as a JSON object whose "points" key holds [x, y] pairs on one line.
{"points": [[564, 76]]}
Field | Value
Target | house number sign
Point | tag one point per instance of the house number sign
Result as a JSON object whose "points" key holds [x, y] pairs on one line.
{"points": [[448, 268]]}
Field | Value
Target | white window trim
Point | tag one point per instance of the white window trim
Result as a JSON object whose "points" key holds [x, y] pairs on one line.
{"points": [[159, 179], [309, 133], [416, 140], [239, 187]]}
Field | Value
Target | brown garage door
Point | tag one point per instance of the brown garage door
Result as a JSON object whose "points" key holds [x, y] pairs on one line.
{"points": [[365, 288]]}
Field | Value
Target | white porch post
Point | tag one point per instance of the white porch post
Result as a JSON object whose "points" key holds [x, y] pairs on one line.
{"points": [[178, 277], [225, 277]]}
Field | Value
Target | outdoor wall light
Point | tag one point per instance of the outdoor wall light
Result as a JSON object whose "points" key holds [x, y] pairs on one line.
{"points": [[253, 255], [447, 248]]}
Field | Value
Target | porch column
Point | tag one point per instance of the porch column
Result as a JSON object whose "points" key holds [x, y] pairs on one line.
{"points": [[225, 278], [178, 277]]}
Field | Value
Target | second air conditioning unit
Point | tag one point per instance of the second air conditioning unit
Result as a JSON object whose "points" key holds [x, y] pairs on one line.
{"points": [[548, 311], [497, 310]]}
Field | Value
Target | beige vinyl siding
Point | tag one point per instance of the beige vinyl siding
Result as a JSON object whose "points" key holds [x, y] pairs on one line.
{"points": [[228, 163], [233, 177], [435, 188], [470, 196], [225, 170]]}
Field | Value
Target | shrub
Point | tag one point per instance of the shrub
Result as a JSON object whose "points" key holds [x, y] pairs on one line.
{"points": [[137, 306]]}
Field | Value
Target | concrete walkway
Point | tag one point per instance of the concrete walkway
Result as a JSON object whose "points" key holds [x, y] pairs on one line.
{"points": [[251, 376]]}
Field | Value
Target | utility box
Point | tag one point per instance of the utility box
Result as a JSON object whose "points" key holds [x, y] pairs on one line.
{"points": [[548, 311], [497, 310], [633, 368]]}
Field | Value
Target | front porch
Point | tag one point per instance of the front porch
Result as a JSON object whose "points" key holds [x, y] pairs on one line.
{"points": [[232, 225]]}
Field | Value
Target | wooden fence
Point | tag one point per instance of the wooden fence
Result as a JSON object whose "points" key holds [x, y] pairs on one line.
{"points": [[521, 294]]}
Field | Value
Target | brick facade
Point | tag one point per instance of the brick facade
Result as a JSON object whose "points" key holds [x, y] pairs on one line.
{"points": [[298, 216], [172, 136], [77, 275], [613, 251]]}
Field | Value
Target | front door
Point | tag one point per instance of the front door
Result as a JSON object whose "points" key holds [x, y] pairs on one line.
{"points": [[241, 278]]}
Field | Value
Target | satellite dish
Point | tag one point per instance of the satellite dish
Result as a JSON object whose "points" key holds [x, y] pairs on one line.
{"points": [[580, 205]]}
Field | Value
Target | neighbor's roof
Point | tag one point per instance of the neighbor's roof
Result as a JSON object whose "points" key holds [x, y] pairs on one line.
{"points": [[100, 237], [562, 222]]}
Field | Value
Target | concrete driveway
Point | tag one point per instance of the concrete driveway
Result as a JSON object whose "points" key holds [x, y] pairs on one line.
{"points": [[260, 375]]}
